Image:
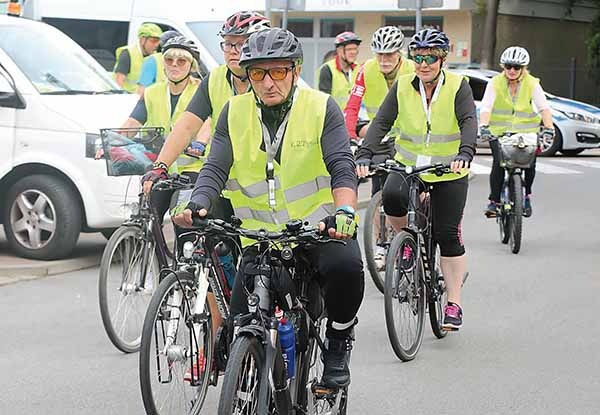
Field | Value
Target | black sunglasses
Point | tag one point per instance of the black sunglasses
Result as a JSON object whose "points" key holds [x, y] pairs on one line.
{"points": [[510, 66]]}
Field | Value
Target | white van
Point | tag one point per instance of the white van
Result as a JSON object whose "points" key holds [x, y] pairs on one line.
{"points": [[101, 27], [54, 98]]}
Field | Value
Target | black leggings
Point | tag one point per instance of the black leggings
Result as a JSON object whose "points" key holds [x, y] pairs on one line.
{"points": [[447, 202], [341, 276], [497, 174]]}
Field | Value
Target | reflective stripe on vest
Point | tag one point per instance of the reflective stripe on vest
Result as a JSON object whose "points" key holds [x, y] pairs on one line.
{"points": [[376, 87], [158, 108], [340, 86], [518, 115], [303, 185], [135, 68], [410, 127], [219, 92]]}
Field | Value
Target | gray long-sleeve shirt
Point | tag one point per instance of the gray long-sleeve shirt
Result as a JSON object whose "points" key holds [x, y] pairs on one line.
{"points": [[335, 146], [464, 110]]}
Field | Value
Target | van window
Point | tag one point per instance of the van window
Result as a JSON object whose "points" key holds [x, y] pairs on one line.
{"points": [[208, 33], [99, 37], [52, 62]]}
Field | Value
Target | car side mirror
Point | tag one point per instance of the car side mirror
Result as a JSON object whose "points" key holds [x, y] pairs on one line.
{"points": [[9, 96]]}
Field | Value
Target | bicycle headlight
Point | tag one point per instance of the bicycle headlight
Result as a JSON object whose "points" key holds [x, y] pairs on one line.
{"points": [[188, 250]]}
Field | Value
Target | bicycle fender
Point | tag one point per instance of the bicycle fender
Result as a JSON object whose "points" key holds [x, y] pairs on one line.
{"points": [[253, 330]]}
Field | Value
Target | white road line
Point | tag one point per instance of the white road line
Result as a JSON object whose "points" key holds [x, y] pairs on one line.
{"points": [[552, 169], [542, 166], [480, 169], [579, 162]]}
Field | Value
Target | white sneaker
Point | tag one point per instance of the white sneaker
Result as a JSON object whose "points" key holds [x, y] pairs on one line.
{"points": [[379, 258]]}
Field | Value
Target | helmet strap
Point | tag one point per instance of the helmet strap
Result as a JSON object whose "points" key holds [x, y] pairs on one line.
{"points": [[182, 79]]}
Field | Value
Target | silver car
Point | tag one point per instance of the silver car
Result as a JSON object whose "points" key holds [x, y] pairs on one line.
{"points": [[577, 124]]}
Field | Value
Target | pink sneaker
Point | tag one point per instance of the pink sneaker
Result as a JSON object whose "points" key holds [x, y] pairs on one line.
{"points": [[452, 317]]}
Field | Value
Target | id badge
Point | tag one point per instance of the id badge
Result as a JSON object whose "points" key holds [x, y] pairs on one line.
{"points": [[423, 160]]}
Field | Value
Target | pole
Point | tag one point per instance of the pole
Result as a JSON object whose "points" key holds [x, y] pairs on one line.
{"points": [[285, 15], [418, 18], [268, 9]]}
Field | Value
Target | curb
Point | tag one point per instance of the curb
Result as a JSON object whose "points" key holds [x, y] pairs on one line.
{"points": [[14, 273]]}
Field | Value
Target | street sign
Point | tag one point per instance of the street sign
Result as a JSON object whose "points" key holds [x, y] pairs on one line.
{"points": [[291, 4], [425, 4]]}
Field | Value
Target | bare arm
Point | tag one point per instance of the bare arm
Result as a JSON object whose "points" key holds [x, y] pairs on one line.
{"points": [[187, 126], [487, 103], [203, 135], [547, 118], [344, 196], [120, 79]]}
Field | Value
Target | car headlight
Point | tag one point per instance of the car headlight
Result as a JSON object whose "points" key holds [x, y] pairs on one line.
{"points": [[581, 117]]}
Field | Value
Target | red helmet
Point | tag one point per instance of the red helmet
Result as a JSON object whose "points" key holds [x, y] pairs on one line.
{"points": [[244, 23], [346, 38]]}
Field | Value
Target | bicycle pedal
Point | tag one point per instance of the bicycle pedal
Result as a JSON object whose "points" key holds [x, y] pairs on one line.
{"points": [[323, 391]]}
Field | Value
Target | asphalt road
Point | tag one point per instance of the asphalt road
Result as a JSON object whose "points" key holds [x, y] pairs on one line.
{"points": [[529, 344]]}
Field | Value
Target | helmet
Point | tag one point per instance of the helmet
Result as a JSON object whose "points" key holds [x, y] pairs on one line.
{"points": [[244, 23], [168, 35], [346, 38], [182, 42], [269, 45], [429, 39], [387, 39], [515, 55], [150, 30]]}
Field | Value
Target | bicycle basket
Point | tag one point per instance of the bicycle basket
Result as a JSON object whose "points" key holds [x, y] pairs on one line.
{"points": [[518, 150], [131, 151]]}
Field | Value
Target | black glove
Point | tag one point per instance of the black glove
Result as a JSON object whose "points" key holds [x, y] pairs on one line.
{"points": [[464, 158], [194, 207], [485, 133], [156, 174], [343, 222], [363, 162]]}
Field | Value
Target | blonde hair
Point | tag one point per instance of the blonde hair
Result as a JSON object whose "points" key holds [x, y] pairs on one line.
{"points": [[175, 53]]}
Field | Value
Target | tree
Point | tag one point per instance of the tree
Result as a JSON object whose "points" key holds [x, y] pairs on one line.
{"points": [[592, 41], [489, 34]]}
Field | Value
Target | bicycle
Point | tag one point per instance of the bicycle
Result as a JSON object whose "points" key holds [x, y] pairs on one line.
{"points": [[179, 359], [516, 152], [257, 380], [413, 275], [135, 253]]}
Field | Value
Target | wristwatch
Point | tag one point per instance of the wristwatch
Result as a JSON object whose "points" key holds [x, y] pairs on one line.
{"points": [[347, 209]]}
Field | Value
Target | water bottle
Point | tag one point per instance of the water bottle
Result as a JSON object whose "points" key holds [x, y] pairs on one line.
{"points": [[226, 260], [287, 339]]}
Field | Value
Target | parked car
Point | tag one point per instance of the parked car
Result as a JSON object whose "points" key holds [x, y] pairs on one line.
{"points": [[54, 98], [577, 124]]}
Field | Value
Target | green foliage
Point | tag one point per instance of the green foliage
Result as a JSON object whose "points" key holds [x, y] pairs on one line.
{"points": [[593, 38]]}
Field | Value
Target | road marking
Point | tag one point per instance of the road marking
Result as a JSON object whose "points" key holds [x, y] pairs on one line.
{"points": [[552, 169], [542, 166], [578, 162], [480, 169]]}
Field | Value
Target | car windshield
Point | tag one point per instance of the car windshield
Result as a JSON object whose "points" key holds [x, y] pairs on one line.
{"points": [[54, 63], [208, 32]]}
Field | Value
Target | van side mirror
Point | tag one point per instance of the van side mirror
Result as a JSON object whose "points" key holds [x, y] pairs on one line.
{"points": [[9, 96]]}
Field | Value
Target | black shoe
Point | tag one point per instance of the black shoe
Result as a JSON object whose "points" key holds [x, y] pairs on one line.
{"points": [[336, 373], [527, 210]]}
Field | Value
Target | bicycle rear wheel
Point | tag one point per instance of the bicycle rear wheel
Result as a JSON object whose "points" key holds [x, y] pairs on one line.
{"points": [[516, 222], [123, 302], [176, 349], [241, 384], [376, 239], [437, 297], [404, 296]]}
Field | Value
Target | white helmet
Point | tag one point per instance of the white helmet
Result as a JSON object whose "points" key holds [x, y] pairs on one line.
{"points": [[387, 39], [515, 55]]}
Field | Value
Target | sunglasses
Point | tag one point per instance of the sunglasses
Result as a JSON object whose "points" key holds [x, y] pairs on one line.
{"points": [[175, 61], [428, 59], [509, 66], [276, 74], [227, 47]]}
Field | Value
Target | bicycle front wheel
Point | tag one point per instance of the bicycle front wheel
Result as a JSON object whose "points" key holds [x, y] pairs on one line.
{"points": [[176, 349], [377, 237], [404, 296], [241, 385], [516, 222], [123, 300]]}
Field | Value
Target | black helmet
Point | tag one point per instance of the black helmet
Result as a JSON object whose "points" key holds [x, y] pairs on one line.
{"points": [[271, 44], [168, 35], [429, 38], [182, 42]]}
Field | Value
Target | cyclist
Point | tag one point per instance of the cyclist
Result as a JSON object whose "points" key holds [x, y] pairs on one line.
{"points": [[434, 120], [152, 68], [512, 103], [336, 76], [295, 138], [129, 59]]}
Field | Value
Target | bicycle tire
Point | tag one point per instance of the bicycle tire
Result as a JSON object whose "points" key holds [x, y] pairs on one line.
{"points": [[516, 223], [413, 295], [127, 284], [162, 309], [437, 297], [228, 401], [370, 238]]}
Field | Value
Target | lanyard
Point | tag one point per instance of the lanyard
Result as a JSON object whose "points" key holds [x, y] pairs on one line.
{"points": [[271, 148], [427, 108]]}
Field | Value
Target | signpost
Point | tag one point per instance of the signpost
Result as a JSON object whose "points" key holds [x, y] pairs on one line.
{"points": [[286, 5], [418, 5]]}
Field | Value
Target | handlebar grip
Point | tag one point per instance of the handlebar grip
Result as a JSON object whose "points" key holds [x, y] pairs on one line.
{"points": [[198, 221]]}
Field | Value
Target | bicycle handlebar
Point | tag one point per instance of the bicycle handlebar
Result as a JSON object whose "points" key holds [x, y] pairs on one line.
{"points": [[389, 166]]}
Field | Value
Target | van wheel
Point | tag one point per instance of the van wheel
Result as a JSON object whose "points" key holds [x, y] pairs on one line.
{"points": [[42, 218], [551, 146]]}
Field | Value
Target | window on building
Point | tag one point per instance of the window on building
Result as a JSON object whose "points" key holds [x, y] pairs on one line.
{"points": [[301, 27], [333, 27], [407, 23], [100, 38]]}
